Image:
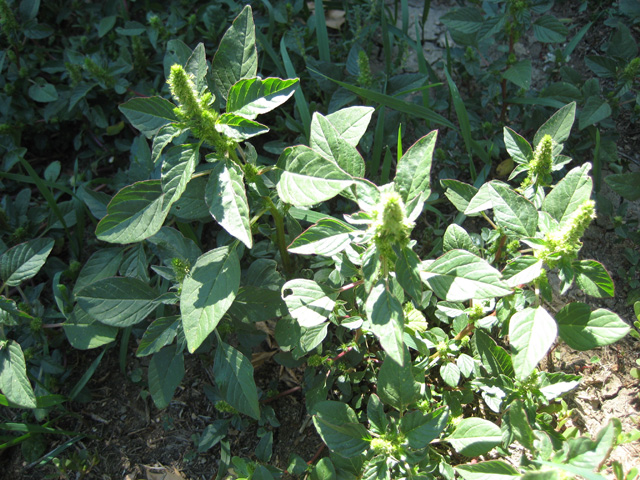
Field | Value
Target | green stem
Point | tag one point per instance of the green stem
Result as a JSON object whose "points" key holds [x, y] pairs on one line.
{"points": [[278, 219], [493, 225]]}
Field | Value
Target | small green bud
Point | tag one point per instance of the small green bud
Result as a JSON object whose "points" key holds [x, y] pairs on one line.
{"points": [[35, 325], [181, 269], [224, 407], [9, 88], [381, 446]]}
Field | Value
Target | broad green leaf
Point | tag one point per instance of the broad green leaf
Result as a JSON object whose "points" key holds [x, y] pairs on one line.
{"points": [[626, 185], [520, 74], [308, 302], [464, 20], [118, 301], [24, 261], [328, 237], [549, 29], [102, 264], [170, 243], [234, 377], [207, 293], [408, 272], [595, 110], [149, 114], [481, 200], [14, 382], [213, 434], [458, 276], [593, 279], [532, 332], [396, 384], [518, 148], [43, 92], [522, 270], [237, 57], [135, 213], [456, 237], [85, 333], [450, 373], [251, 97], [602, 66], [323, 470], [459, 193], [166, 371], [306, 177], [421, 428], [197, 66], [255, 304], [157, 335], [475, 436], [338, 426], [583, 329], [518, 425], [375, 414], [239, 128], [164, 137], [191, 205], [558, 126], [512, 211], [567, 196], [351, 123], [413, 172], [493, 358], [227, 200], [178, 166], [326, 141], [491, 470], [385, 313]]}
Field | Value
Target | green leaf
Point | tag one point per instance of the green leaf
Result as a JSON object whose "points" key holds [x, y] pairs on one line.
{"points": [[164, 137], [212, 435], [157, 335], [567, 196], [24, 261], [464, 20], [522, 270], [14, 382], [408, 272], [102, 264], [512, 211], [518, 148], [450, 373], [413, 173], [326, 141], [475, 436], [593, 279], [458, 276], [237, 57], [85, 333], [149, 114], [603, 67], [595, 110], [207, 293], [385, 312], [308, 302], [396, 384], [481, 201], [626, 185], [532, 332], [421, 428], [306, 177], [135, 213], [558, 126], [234, 377], [227, 200], [106, 24], [118, 301], [43, 92], [328, 237], [254, 304], [178, 166], [549, 29], [519, 425], [520, 74], [491, 470], [459, 193], [375, 414], [456, 237], [351, 123], [239, 128], [196, 65], [254, 96], [166, 371], [583, 329], [338, 426], [323, 470]]}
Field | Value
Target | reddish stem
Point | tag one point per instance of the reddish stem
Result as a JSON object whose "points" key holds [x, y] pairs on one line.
{"points": [[317, 455], [282, 394]]}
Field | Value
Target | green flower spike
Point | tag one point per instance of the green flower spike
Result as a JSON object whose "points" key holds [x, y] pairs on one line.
{"points": [[541, 164], [390, 226]]}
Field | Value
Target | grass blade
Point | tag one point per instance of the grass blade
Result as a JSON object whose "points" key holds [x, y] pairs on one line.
{"points": [[376, 155], [386, 167], [301, 102], [597, 164], [86, 377], [55, 452], [321, 32]]}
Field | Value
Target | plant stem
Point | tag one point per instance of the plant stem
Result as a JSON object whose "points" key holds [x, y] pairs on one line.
{"points": [[278, 219], [493, 225], [282, 394]]}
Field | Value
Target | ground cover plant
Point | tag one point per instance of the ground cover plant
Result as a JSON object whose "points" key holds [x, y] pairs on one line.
{"points": [[419, 353]]}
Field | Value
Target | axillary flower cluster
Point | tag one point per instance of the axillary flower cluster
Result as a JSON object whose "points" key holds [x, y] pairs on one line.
{"points": [[390, 225], [540, 165]]}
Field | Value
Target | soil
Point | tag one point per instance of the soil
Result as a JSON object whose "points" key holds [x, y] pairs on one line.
{"points": [[129, 438]]}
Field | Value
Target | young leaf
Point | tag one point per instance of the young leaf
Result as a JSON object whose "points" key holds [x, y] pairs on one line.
{"points": [[512, 211], [351, 123], [456, 237], [338, 426], [532, 332], [254, 96], [166, 370], [14, 382], [234, 377], [178, 166], [149, 114], [308, 302], [583, 329], [475, 436], [518, 148], [328, 237], [420, 428], [237, 57], [593, 278], [522, 270], [458, 276], [408, 272], [481, 200], [414, 169], [306, 177], [396, 385], [118, 301], [387, 320], [227, 200], [450, 373], [567, 196], [326, 141], [24, 261], [459, 193], [558, 126], [207, 293], [239, 128], [376, 416]]}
